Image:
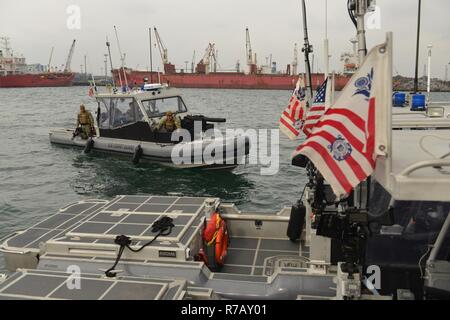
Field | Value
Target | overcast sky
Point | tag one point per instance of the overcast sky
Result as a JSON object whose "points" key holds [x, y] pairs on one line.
{"points": [[35, 26]]}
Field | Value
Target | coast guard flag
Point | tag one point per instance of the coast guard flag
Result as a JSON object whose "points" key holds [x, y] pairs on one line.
{"points": [[345, 142], [319, 105], [292, 118]]}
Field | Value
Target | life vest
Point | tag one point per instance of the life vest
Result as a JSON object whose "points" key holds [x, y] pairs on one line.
{"points": [[215, 238], [85, 118], [169, 124]]}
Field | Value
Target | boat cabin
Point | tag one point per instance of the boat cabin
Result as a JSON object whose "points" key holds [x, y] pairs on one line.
{"points": [[135, 115], [407, 209]]}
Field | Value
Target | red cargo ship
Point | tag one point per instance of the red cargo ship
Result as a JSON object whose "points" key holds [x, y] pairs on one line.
{"points": [[222, 80], [206, 75], [36, 80], [15, 73]]}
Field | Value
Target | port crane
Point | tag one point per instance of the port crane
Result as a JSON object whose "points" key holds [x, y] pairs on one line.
{"points": [[251, 59], [295, 61], [162, 48], [69, 57], [192, 62], [204, 65], [50, 60], [168, 67]]}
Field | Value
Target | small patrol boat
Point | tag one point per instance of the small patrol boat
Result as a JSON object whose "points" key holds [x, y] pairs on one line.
{"points": [[127, 123]]}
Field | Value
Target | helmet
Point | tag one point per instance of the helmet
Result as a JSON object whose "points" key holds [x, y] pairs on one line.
{"points": [[169, 113]]}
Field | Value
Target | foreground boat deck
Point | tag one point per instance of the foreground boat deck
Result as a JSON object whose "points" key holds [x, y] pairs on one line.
{"points": [[41, 284], [247, 255], [261, 260]]}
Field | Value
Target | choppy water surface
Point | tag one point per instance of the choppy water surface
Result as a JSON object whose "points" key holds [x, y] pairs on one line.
{"points": [[37, 178]]}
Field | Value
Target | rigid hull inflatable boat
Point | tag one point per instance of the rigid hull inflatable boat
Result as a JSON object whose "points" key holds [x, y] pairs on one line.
{"points": [[126, 123]]}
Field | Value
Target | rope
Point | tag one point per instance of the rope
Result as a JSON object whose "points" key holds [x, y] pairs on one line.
{"points": [[163, 226]]}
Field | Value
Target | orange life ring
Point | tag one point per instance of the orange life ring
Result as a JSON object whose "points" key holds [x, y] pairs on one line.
{"points": [[221, 244], [215, 236]]}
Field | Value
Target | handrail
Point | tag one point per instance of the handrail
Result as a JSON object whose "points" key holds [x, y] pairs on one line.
{"points": [[440, 239], [423, 113], [439, 103], [425, 164]]}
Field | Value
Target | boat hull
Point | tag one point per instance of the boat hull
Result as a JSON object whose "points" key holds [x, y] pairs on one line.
{"points": [[160, 152], [37, 80], [225, 80]]}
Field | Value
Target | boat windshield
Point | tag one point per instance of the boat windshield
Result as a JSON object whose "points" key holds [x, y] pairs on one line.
{"points": [[157, 108], [118, 112]]}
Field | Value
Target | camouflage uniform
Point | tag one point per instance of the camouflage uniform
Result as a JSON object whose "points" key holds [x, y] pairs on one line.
{"points": [[169, 123], [86, 122]]}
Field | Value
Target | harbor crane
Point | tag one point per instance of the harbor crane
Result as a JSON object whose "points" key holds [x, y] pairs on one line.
{"points": [[50, 60], [295, 61], [162, 48], [168, 67], [69, 57], [251, 59], [192, 62], [204, 65]]}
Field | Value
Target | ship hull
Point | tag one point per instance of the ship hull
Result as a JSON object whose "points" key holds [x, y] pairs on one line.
{"points": [[224, 80], [37, 80]]}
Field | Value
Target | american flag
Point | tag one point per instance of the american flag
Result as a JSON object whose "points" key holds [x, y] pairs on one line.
{"points": [[343, 145], [318, 107], [292, 118]]}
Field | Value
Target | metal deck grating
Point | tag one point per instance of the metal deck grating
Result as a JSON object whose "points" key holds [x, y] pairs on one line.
{"points": [[54, 226], [246, 256], [134, 215], [40, 284]]}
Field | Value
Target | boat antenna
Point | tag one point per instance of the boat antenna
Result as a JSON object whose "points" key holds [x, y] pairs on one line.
{"points": [[416, 74], [111, 63], [326, 43], [429, 74], [307, 49], [151, 54], [122, 58], [92, 76], [357, 9]]}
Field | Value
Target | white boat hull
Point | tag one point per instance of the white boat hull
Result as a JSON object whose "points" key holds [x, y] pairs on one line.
{"points": [[161, 152]]}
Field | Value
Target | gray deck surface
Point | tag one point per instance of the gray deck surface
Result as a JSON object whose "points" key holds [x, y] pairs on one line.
{"points": [[246, 255], [40, 284], [101, 222], [54, 226], [134, 215]]}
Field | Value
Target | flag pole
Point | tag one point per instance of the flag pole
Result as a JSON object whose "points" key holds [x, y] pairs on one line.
{"points": [[110, 62], [151, 55], [326, 44], [307, 49]]}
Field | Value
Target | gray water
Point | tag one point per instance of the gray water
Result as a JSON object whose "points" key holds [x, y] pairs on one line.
{"points": [[37, 178]]}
